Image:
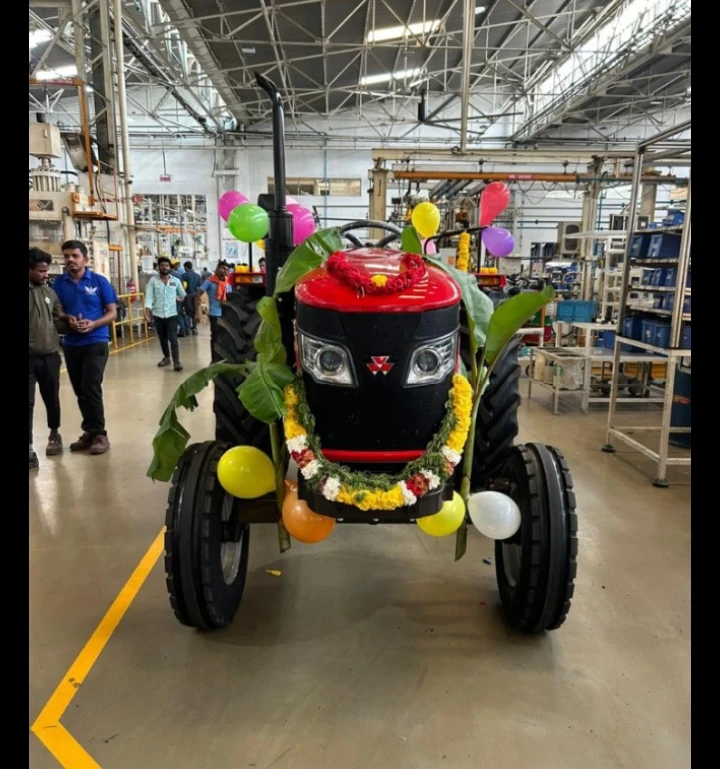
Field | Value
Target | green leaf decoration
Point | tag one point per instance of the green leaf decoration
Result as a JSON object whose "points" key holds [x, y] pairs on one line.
{"points": [[262, 391], [478, 306], [171, 439], [311, 253], [509, 318], [410, 241], [268, 340]]}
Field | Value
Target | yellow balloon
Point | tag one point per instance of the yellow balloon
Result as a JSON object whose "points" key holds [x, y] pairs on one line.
{"points": [[426, 219], [246, 472], [447, 521], [260, 244]]}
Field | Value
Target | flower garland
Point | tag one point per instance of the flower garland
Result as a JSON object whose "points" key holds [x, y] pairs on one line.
{"points": [[371, 491], [463, 252], [414, 265]]}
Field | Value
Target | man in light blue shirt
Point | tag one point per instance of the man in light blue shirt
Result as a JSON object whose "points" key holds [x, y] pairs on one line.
{"points": [[162, 295], [216, 287]]}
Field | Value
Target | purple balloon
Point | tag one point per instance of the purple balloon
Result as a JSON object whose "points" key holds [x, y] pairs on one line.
{"points": [[498, 241], [303, 223], [229, 202]]}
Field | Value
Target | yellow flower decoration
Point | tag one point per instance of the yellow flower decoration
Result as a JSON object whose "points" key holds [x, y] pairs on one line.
{"points": [[367, 499], [461, 397], [291, 398], [379, 280]]}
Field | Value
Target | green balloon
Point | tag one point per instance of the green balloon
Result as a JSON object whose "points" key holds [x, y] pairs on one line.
{"points": [[248, 222]]}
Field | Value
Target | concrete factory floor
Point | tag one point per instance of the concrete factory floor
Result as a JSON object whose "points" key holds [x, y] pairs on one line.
{"points": [[372, 650]]}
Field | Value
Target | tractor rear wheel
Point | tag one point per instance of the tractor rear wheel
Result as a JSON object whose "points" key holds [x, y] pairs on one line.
{"points": [[206, 547], [497, 421], [536, 567], [237, 328]]}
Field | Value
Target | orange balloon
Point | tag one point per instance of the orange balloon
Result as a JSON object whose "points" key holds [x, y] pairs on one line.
{"points": [[302, 523], [290, 486]]}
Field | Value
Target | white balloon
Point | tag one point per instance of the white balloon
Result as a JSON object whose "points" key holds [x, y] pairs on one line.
{"points": [[494, 514]]}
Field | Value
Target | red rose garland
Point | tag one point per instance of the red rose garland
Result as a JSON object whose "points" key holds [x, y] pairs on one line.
{"points": [[415, 270]]}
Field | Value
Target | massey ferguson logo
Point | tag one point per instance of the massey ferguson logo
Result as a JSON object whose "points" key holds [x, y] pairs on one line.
{"points": [[379, 364]]}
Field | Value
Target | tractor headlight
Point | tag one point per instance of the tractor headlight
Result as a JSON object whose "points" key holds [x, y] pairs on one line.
{"points": [[326, 362], [432, 362]]}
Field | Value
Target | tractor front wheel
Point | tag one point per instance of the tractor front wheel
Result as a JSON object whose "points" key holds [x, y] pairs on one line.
{"points": [[206, 547], [536, 567]]}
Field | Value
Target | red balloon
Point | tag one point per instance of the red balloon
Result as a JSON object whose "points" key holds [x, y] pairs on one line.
{"points": [[493, 201]]}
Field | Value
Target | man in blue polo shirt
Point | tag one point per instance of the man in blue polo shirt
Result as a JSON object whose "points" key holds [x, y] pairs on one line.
{"points": [[90, 302]]}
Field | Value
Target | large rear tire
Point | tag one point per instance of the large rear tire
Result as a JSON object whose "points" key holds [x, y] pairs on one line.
{"points": [[497, 421], [236, 332], [206, 548], [536, 567]]}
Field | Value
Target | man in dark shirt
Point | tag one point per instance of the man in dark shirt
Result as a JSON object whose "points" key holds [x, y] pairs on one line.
{"points": [[191, 282], [90, 302], [44, 357]]}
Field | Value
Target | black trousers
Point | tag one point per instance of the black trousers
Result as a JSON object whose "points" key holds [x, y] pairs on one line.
{"points": [[167, 331], [86, 368], [213, 337], [45, 372]]}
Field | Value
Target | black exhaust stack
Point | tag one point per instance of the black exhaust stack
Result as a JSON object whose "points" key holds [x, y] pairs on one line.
{"points": [[279, 242]]}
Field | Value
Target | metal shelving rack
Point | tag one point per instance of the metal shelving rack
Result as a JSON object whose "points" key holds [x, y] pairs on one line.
{"points": [[655, 151]]}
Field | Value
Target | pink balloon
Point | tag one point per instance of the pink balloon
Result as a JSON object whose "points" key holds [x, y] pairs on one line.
{"points": [[291, 201], [230, 201], [429, 247], [303, 223], [498, 241]]}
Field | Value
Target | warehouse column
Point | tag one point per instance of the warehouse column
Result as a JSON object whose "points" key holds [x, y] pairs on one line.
{"points": [[378, 197]]}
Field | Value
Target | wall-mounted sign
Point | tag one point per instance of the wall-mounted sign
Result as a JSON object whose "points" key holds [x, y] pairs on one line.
{"points": [[165, 178]]}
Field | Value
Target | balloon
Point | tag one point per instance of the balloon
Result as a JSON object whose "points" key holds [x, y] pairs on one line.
{"points": [[302, 523], [248, 222], [230, 201], [494, 514], [290, 201], [246, 472], [426, 219], [447, 521], [260, 244], [498, 241], [430, 247], [303, 223], [493, 200], [290, 486]]}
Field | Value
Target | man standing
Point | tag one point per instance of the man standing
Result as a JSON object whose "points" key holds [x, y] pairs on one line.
{"points": [[216, 288], [162, 294], [90, 302], [44, 351], [191, 282]]}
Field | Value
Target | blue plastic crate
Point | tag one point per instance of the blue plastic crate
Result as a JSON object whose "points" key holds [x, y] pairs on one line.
{"points": [[685, 337], [687, 304], [647, 277], [674, 218], [658, 277], [689, 281], [661, 336], [639, 244], [664, 245], [575, 311], [632, 327], [670, 278], [668, 301], [648, 331]]}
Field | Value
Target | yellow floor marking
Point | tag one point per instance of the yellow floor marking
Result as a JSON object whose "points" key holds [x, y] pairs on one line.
{"points": [[47, 727], [63, 370]]}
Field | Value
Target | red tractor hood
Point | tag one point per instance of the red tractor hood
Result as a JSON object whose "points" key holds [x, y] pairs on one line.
{"points": [[325, 290]]}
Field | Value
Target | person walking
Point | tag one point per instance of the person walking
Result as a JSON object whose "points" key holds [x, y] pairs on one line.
{"points": [[191, 282], [162, 294], [45, 315], [216, 287], [90, 303]]}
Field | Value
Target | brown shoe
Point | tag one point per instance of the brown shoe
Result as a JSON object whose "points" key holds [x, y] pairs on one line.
{"points": [[100, 444], [83, 443]]}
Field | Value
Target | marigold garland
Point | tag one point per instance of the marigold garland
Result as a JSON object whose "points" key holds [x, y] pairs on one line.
{"points": [[370, 491], [414, 270]]}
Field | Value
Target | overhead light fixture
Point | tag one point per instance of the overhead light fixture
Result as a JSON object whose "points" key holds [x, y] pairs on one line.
{"points": [[248, 50], [397, 33], [38, 36], [656, 102], [386, 77], [58, 73], [480, 9]]}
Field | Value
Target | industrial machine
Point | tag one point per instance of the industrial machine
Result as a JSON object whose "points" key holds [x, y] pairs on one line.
{"points": [[377, 373]]}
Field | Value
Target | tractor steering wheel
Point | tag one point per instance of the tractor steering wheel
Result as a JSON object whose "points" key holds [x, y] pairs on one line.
{"points": [[362, 224]]}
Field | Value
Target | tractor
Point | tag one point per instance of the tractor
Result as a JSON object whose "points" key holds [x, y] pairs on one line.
{"points": [[376, 371]]}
